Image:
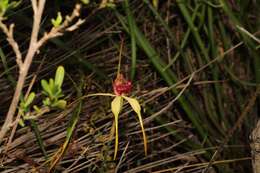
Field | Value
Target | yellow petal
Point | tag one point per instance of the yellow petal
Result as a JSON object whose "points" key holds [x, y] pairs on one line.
{"points": [[134, 104], [137, 108], [116, 107]]}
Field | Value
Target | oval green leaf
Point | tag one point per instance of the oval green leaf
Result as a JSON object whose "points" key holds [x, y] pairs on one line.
{"points": [[57, 22], [85, 2], [59, 76], [21, 123], [52, 86], [46, 87], [61, 104], [29, 99]]}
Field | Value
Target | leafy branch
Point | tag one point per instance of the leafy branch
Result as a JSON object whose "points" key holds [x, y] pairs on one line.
{"points": [[24, 63]]}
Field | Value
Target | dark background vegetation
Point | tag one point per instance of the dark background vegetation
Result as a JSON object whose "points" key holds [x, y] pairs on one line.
{"points": [[172, 42]]}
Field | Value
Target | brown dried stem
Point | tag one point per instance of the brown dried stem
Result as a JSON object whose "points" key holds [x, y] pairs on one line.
{"points": [[10, 38]]}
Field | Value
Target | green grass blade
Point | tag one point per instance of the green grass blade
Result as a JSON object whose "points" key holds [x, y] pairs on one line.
{"points": [[71, 127], [181, 4], [246, 39], [130, 21], [6, 68], [38, 136]]}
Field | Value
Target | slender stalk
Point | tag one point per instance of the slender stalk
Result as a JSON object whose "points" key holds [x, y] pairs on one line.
{"points": [[193, 28], [120, 58], [130, 20]]}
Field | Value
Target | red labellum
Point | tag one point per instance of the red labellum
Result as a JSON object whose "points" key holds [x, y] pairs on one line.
{"points": [[121, 85]]}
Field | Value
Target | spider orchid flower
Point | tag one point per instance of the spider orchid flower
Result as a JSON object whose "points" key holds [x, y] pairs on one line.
{"points": [[121, 87]]}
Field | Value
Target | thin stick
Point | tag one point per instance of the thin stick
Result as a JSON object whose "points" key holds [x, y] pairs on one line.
{"points": [[120, 57], [171, 102], [121, 159], [249, 34], [10, 38]]}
